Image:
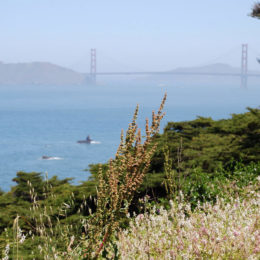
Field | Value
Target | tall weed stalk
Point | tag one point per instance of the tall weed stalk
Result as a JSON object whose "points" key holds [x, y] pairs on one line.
{"points": [[118, 184], [173, 178]]}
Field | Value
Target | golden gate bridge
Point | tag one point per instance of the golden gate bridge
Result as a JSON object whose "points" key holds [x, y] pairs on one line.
{"points": [[243, 74]]}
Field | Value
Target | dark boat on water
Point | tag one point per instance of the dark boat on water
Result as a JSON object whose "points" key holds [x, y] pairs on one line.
{"points": [[44, 157], [88, 140]]}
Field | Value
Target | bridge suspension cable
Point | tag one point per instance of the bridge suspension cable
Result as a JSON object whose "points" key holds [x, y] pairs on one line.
{"points": [[228, 53]]}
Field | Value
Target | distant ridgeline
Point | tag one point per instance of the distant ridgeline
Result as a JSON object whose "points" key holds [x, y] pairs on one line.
{"points": [[39, 73]]}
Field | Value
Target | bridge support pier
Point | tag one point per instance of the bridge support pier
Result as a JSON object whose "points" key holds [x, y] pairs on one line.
{"points": [[93, 66], [244, 59]]}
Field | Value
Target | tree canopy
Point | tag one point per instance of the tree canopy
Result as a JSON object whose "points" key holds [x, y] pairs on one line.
{"points": [[256, 11]]}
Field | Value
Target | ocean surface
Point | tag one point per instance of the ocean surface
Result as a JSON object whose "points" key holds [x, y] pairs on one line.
{"points": [[48, 121]]}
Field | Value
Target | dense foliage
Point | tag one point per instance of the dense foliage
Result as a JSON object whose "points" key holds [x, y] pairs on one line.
{"points": [[208, 144], [213, 231], [256, 11], [203, 158], [203, 152]]}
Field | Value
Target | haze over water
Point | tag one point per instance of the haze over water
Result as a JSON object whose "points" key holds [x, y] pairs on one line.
{"points": [[37, 121]]}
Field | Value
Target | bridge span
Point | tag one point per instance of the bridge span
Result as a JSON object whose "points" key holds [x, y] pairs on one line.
{"points": [[244, 74], [143, 73]]}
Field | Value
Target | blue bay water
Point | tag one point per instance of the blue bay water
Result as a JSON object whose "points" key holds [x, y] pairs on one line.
{"points": [[37, 121]]}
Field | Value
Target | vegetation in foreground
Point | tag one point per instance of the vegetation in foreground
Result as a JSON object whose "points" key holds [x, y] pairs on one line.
{"points": [[227, 228], [210, 162], [220, 230]]}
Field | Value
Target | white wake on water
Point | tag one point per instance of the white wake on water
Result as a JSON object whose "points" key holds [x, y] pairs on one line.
{"points": [[95, 142]]}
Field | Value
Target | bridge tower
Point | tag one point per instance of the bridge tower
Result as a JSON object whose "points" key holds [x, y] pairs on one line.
{"points": [[244, 65], [93, 65]]}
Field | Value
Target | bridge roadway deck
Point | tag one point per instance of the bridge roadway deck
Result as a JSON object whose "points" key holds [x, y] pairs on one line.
{"points": [[177, 73]]}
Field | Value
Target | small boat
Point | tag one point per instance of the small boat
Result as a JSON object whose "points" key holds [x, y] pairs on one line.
{"points": [[88, 140], [44, 157]]}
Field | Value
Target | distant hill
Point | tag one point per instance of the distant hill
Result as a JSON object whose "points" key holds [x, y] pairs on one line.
{"points": [[202, 79], [39, 73]]}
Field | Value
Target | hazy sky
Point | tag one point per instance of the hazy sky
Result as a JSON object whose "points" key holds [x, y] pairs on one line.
{"points": [[128, 35]]}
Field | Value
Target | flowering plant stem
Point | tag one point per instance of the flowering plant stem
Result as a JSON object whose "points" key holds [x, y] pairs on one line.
{"points": [[118, 184]]}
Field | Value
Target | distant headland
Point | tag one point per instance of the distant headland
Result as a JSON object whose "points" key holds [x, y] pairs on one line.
{"points": [[39, 73]]}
